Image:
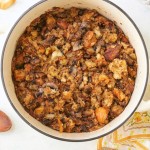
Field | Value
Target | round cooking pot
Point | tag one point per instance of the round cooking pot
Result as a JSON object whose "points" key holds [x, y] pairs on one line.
{"points": [[109, 10]]}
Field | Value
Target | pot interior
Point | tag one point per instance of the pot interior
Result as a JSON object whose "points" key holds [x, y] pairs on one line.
{"points": [[110, 11]]}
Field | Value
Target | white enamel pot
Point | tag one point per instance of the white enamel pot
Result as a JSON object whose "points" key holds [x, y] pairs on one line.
{"points": [[111, 11]]}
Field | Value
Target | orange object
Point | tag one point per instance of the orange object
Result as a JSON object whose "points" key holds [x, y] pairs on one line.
{"points": [[4, 4]]}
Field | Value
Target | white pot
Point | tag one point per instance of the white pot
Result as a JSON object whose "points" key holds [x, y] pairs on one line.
{"points": [[112, 12]]}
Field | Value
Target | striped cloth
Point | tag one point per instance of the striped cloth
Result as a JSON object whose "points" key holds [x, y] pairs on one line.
{"points": [[133, 135]]}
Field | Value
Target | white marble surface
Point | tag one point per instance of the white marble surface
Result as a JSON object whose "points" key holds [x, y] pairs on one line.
{"points": [[23, 137]]}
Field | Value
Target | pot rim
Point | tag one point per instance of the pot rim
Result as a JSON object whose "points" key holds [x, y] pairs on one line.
{"points": [[63, 139]]}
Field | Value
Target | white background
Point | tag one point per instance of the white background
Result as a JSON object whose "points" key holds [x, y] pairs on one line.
{"points": [[23, 137]]}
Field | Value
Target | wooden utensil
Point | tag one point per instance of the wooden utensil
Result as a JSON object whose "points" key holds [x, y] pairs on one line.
{"points": [[5, 122]]}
